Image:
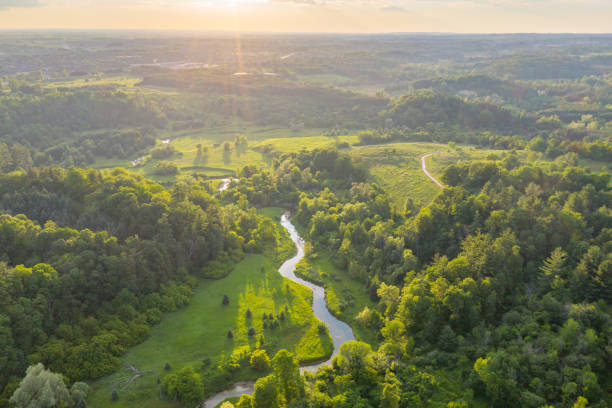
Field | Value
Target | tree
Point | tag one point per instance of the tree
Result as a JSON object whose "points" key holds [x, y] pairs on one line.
{"points": [[40, 388], [287, 371], [78, 392], [390, 397], [581, 403], [185, 386], [266, 393], [260, 360], [355, 358], [553, 268], [389, 295], [245, 401]]}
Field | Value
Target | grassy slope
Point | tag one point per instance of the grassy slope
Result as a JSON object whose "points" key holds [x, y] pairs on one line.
{"points": [[199, 331], [397, 168]]}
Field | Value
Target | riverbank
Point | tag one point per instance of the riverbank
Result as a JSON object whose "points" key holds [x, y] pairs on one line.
{"points": [[339, 331], [197, 334]]}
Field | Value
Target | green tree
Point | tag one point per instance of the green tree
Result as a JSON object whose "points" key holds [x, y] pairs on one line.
{"points": [[266, 393], [41, 388], [245, 401], [260, 360], [287, 372], [185, 386]]}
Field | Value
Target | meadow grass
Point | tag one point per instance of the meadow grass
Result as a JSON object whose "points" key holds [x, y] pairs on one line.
{"points": [[396, 167], [199, 331], [217, 162]]}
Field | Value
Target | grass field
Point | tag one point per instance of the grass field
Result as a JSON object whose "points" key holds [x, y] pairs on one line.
{"points": [[218, 162], [198, 331], [397, 168]]}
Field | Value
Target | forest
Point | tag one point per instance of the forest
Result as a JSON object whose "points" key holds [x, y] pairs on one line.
{"points": [[141, 237]]}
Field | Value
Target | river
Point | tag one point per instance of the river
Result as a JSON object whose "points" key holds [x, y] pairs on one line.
{"points": [[339, 331]]}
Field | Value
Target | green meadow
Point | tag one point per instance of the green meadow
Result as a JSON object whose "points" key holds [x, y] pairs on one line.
{"points": [[197, 334]]}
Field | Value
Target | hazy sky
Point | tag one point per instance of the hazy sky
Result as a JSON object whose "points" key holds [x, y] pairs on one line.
{"points": [[314, 15]]}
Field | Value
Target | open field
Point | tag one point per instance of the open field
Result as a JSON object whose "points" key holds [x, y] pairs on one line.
{"points": [[397, 168], [198, 332], [218, 162]]}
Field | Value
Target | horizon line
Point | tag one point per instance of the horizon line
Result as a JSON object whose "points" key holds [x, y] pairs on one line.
{"points": [[229, 31]]}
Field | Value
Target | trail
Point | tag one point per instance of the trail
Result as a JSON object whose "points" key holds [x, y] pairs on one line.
{"points": [[428, 174]]}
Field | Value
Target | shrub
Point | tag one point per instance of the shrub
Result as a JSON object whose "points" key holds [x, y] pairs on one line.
{"points": [[114, 395], [322, 327], [260, 360], [225, 300], [185, 386]]}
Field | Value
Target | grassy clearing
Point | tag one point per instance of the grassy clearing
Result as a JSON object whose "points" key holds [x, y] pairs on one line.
{"points": [[397, 168], [218, 162], [199, 332]]}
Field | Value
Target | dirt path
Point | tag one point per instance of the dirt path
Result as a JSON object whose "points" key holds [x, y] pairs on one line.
{"points": [[428, 174]]}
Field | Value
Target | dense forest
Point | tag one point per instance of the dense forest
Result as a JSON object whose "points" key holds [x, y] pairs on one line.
{"points": [[504, 279], [89, 261]]}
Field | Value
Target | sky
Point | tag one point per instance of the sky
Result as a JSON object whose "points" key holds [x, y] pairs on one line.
{"points": [[459, 16]]}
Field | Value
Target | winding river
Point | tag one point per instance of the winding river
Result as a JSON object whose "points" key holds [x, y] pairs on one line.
{"points": [[339, 331]]}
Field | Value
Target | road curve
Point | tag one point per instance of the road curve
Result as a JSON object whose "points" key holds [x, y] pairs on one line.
{"points": [[428, 174]]}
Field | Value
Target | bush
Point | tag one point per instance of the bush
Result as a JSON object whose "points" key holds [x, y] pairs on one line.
{"points": [[251, 332], [322, 327], [185, 386], [165, 169], [260, 360]]}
